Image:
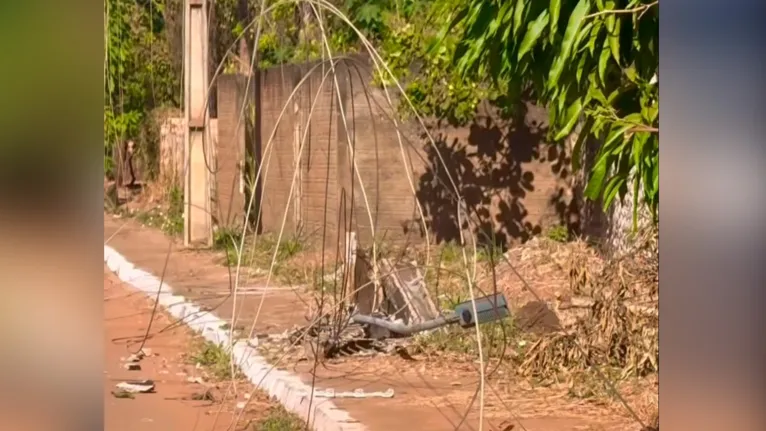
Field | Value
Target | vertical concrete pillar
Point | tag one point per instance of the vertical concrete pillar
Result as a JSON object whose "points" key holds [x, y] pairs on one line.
{"points": [[198, 151]]}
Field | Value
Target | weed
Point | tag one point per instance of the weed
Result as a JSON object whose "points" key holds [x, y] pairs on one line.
{"points": [[558, 233], [498, 338], [215, 359], [228, 240], [123, 394], [279, 419]]}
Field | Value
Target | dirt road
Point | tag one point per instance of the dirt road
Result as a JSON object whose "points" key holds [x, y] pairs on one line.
{"points": [[428, 395], [172, 407]]}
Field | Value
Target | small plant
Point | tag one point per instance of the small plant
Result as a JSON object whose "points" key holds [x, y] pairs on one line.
{"points": [[228, 240], [215, 359], [497, 340], [171, 219], [558, 233], [279, 419]]}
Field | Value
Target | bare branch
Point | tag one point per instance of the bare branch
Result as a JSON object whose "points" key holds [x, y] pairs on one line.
{"points": [[639, 9]]}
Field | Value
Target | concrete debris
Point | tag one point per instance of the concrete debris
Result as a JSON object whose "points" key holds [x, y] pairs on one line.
{"points": [[136, 386], [356, 393]]}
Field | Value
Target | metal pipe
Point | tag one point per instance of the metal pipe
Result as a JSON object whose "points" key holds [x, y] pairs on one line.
{"points": [[403, 329]]}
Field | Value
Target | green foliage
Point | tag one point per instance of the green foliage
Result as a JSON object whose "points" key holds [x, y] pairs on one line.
{"points": [[279, 419], [591, 60], [138, 72], [558, 233]]}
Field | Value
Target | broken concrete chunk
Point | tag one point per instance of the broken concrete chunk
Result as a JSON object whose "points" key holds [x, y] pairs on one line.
{"points": [[136, 386], [356, 393]]}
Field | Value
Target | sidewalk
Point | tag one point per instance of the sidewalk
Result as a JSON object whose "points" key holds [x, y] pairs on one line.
{"points": [[428, 396]]}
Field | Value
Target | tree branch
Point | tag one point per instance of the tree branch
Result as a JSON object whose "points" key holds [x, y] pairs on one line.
{"points": [[639, 9], [645, 129]]}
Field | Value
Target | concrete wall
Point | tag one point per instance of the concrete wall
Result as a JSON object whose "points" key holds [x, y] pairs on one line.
{"points": [[231, 125], [514, 182]]}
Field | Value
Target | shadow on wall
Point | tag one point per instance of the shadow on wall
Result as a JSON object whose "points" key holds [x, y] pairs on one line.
{"points": [[495, 167]]}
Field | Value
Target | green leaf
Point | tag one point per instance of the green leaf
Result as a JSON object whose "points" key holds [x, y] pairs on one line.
{"points": [[613, 36], [594, 33], [631, 74], [614, 135], [570, 119], [499, 18], [613, 187], [639, 140], [603, 60], [596, 181], [650, 112], [534, 30], [577, 149], [585, 31], [555, 8], [580, 68], [518, 15], [570, 35]]}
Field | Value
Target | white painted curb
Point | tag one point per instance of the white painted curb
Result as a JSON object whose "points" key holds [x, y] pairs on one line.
{"points": [[286, 387]]}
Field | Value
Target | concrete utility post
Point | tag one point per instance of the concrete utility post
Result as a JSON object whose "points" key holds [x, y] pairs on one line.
{"points": [[197, 144]]}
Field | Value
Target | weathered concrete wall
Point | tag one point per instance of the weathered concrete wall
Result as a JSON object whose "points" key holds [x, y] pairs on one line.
{"points": [[232, 123], [514, 182], [172, 148]]}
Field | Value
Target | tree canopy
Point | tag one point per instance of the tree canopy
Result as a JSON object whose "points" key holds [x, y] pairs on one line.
{"points": [[593, 62]]}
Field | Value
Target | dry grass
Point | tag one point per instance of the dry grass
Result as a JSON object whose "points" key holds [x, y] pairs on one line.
{"points": [[607, 310], [615, 325]]}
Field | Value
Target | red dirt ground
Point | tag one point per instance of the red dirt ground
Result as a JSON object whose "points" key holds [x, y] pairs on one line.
{"points": [[429, 396], [171, 407]]}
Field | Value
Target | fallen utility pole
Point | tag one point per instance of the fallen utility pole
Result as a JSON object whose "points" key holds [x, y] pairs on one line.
{"points": [[487, 309]]}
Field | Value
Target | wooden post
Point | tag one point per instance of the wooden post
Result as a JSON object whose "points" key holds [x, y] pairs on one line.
{"points": [[197, 147]]}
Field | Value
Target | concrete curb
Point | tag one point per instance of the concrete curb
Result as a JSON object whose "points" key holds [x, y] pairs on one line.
{"points": [[286, 387]]}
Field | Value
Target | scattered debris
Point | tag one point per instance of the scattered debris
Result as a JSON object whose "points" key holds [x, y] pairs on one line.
{"points": [[138, 356], [356, 393], [136, 386], [123, 394], [207, 395], [197, 380], [241, 405]]}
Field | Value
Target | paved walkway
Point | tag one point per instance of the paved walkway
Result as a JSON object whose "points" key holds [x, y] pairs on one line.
{"points": [[428, 396]]}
